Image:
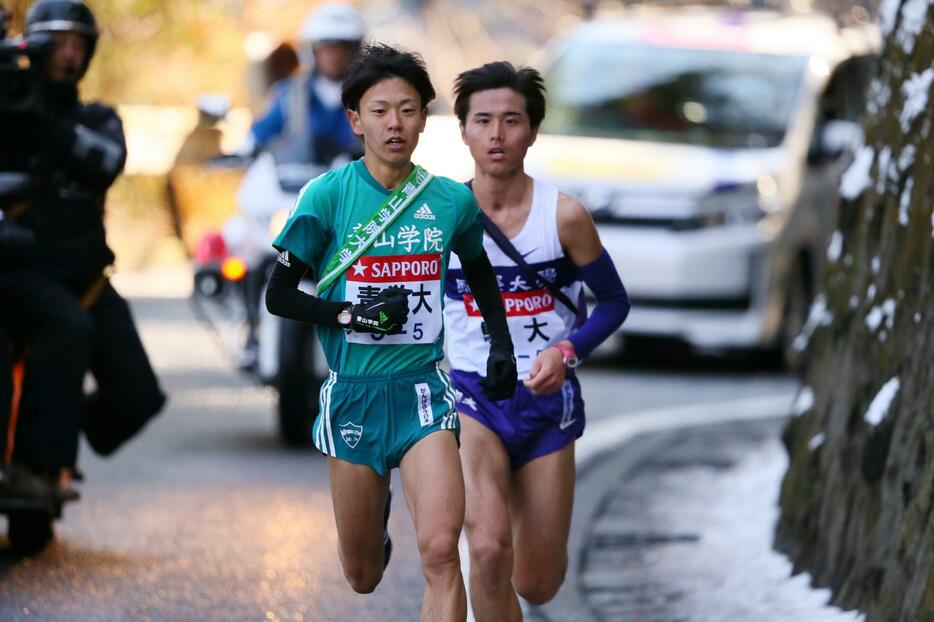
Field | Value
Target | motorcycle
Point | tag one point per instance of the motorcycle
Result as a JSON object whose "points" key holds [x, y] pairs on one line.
{"points": [[232, 269], [30, 517]]}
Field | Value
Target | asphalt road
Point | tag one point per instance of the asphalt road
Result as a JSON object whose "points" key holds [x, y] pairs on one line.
{"points": [[205, 517]]}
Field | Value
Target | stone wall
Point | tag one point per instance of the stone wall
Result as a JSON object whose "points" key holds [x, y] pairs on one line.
{"points": [[858, 496]]}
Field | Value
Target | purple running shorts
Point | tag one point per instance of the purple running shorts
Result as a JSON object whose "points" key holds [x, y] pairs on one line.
{"points": [[529, 426]]}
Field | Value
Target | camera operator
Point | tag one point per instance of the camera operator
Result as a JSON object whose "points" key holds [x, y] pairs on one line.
{"points": [[75, 152]]}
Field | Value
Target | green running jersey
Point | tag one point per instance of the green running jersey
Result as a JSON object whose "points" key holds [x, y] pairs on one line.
{"points": [[413, 252]]}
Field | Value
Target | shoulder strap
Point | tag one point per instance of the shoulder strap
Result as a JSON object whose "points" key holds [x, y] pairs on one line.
{"points": [[384, 215], [534, 277]]}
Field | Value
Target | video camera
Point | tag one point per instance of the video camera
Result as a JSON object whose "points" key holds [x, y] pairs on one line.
{"points": [[20, 59]]}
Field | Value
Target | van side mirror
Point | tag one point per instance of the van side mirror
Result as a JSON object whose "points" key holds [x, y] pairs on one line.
{"points": [[832, 139]]}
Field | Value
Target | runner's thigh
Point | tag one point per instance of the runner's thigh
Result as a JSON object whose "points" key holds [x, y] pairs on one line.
{"points": [[434, 485], [542, 500], [359, 497], [486, 482]]}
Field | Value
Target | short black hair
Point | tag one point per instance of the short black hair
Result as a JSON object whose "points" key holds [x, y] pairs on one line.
{"points": [[379, 61], [525, 81]]}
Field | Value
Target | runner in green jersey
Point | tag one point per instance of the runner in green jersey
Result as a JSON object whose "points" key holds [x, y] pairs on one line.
{"points": [[376, 236]]}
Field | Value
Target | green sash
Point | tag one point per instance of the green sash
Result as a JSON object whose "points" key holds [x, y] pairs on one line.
{"points": [[375, 225]]}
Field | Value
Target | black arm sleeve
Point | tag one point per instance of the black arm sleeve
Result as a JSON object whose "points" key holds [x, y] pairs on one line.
{"points": [[283, 298], [483, 285]]}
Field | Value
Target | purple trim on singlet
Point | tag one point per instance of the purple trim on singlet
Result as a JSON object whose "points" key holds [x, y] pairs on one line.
{"points": [[566, 273]]}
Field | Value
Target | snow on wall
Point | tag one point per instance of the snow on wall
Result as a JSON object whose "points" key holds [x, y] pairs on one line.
{"points": [[803, 402], [905, 202], [888, 11], [835, 247], [913, 14], [879, 407], [856, 179], [915, 90]]}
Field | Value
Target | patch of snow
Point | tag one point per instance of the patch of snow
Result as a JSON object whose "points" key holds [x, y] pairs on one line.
{"points": [[906, 158], [882, 170], [888, 307], [835, 247], [848, 260], [856, 179], [885, 311], [817, 441], [879, 407], [879, 94], [854, 302], [915, 90], [744, 577], [905, 202], [917, 318], [819, 315], [875, 263], [871, 292], [888, 11], [803, 402], [913, 14]]}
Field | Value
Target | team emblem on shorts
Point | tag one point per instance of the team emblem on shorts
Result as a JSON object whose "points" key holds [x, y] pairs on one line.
{"points": [[351, 433]]}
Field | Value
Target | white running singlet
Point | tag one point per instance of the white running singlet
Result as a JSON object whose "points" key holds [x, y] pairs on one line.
{"points": [[536, 318]]}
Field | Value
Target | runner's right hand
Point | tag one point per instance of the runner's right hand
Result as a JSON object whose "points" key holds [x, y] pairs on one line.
{"points": [[385, 314]]}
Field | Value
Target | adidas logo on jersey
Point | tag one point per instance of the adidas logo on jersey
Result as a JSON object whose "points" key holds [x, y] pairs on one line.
{"points": [[424, 213]]}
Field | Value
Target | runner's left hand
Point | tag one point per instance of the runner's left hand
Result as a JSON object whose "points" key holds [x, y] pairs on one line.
{"points": [[548, 372], [501, 374]]}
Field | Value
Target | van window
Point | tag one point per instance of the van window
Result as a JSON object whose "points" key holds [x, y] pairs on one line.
{"points": [[694, 96]]}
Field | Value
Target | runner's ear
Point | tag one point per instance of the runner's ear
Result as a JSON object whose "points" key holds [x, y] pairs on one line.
{"points": [[354, 118]]}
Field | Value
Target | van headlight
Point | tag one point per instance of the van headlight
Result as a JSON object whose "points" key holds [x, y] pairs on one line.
{"points": [[743, 203]]}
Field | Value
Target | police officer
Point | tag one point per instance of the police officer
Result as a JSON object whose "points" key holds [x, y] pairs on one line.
{"points": [[79, 151], [306, 121]]}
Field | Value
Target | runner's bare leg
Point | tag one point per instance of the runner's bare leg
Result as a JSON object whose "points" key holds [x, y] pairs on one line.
{"points": [[542, 500], [487, 476], [359, 497], [434, 492]]}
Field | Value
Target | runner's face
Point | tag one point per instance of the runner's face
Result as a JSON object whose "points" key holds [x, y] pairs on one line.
{"points": [[497, 130], [390, 119]]}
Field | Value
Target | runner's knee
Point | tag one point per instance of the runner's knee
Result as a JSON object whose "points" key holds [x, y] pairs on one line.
{"points": [[363, 577], [491, 558], [439, 553], [540, 586]]}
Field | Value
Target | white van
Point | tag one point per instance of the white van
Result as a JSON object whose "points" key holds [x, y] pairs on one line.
{"points": [[709, 146]]}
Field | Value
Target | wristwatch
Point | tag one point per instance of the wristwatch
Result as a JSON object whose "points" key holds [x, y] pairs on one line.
{"points": [[570, 358], [344, 317]]}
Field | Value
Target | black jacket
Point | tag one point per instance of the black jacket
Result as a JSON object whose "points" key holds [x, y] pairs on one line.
{"points": [[74, 153]]}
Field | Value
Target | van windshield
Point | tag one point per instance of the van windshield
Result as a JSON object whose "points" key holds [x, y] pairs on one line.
{"points": [[678, 95]]}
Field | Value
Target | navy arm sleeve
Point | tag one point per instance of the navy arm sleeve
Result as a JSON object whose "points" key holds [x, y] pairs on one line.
{"points": [[612, 305]]}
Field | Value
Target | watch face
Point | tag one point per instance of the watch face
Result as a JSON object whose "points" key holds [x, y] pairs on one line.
{"points": [[343, 318]]}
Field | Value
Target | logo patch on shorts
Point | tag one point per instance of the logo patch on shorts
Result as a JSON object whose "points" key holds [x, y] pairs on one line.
{"points": [[567, 396], [351, 433], [423, 393]]}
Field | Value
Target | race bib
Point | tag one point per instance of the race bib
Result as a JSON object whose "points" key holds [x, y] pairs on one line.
{"points": [[368, 276]]}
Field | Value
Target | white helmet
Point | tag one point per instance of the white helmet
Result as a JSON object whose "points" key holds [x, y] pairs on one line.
{"points": [[333, 22]]}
